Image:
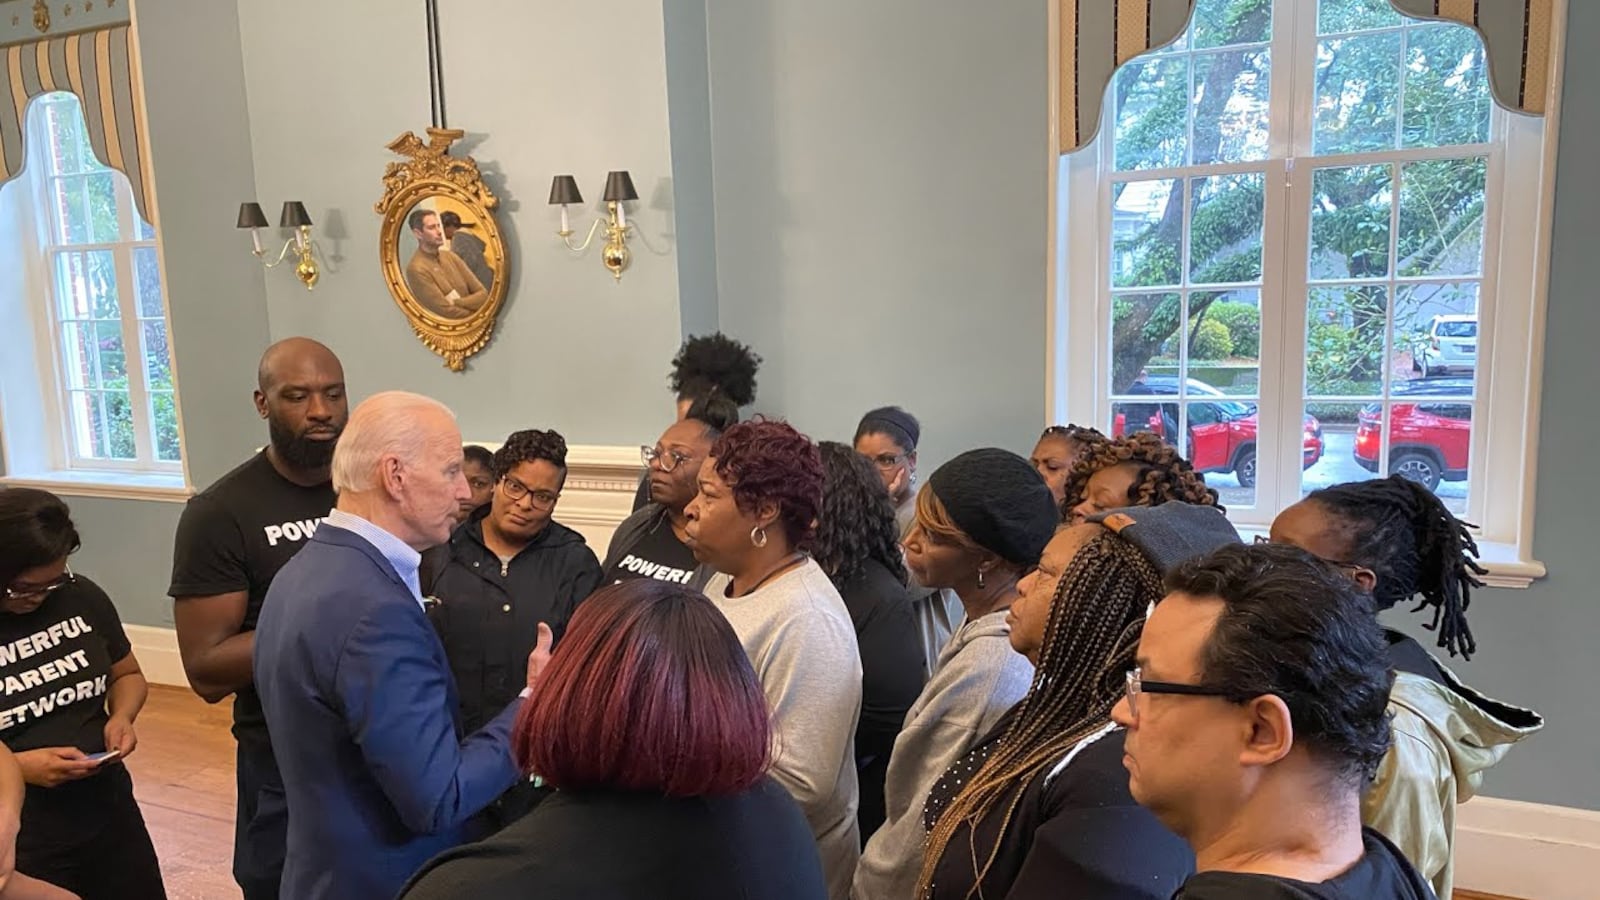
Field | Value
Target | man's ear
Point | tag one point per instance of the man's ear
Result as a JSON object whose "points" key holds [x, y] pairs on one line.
{"points": [[391, 476], [261, 404], [1270, 734]]}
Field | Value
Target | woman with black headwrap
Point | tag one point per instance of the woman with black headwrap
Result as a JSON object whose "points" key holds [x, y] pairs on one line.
{"points": [[982, 520], [887, 437]]}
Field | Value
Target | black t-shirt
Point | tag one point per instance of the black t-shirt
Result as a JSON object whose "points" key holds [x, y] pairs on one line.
{"points": [[56, 665], [235, 536], [1381, 874], [657, 554]]}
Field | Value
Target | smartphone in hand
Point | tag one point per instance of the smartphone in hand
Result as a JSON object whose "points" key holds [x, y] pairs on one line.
{"points": [[103, 757]]}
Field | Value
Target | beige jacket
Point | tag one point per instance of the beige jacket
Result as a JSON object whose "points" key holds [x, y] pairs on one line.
{"points": [[1445, 737]]}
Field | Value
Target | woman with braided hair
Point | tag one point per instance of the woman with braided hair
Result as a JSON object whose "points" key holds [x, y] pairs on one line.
{"points": [[1136, 470], [1040, 807], [1397, 540]]}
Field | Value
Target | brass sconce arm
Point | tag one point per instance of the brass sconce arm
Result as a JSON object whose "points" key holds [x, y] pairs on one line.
{"points": [[614, 254], [294, 216]]}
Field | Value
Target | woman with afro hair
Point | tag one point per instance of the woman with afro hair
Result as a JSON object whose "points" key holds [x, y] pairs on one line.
{"points": [[710, 370]]}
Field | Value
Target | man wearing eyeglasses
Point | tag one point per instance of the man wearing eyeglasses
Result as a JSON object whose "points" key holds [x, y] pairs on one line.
{"points": [[1255, 719], [507, 568]]}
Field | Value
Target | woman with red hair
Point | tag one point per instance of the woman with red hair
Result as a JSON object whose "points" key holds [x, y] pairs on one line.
{"points": [[649, 723], [753, 521]]}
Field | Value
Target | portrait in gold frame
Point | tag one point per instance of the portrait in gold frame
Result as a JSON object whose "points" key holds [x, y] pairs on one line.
{"points": [[451, 297]]}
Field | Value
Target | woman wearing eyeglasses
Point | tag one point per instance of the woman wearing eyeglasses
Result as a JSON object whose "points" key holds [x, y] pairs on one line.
{"points": [[887, 437], [510, 567], [72, 692], [651, 542], [1040, 807]]}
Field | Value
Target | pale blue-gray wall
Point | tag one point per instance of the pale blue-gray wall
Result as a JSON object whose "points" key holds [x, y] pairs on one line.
{"points": [[558, 86], [881, 189]]}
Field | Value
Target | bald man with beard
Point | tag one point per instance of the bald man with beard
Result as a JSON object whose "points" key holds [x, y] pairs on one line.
{"points": [[232, 539]]}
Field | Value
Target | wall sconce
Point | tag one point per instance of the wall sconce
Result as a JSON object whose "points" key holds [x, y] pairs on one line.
{"points": [[294, 216], [619, 190]]}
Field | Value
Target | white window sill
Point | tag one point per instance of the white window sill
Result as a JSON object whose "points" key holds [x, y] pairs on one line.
{"points": [[110, 485], [1508, 566]]}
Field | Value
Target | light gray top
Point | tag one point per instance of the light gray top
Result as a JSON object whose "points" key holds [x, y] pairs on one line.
{"points": [[798, 635], [978, 678]]}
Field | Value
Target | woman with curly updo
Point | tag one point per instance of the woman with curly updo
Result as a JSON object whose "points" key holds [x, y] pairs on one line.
{"points": [[1058, 450], [1136, 470], [858, 546], [753, 521]]}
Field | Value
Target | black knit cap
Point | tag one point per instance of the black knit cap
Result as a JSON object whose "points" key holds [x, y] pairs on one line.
{"points": [[1000, 501], [898, 424]]}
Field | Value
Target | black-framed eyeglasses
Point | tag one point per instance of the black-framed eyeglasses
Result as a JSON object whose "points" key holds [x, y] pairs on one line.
{"points": [[666, 459], [887, 461], [1137, 685], [1336, 563], [38, 590], [516, 490]]}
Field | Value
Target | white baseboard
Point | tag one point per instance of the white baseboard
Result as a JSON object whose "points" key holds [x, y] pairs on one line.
{"points": [[157, 652], [1527, 849]]}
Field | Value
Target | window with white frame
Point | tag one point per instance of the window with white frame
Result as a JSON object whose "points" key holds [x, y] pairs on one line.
{"points": [[94, 296], [1307, 235]]}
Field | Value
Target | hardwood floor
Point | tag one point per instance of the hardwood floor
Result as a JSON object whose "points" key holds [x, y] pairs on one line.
{"points": [[183, 776]]}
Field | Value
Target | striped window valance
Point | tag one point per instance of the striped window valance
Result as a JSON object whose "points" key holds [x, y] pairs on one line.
{"points": [[98, 67], [1097, 36], [1516, 40]]}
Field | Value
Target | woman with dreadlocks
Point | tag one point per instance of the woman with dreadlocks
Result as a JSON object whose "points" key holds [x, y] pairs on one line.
{"points": [[1136, 470], [1398, 540], [1040, 807], [709, 371]]}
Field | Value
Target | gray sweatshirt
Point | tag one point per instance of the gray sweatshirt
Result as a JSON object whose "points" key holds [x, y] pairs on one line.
{"points": [[798, 635], [978, 678]]}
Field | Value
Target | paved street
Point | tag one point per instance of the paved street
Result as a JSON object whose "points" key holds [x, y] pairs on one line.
{"points": [[1338, 465]]}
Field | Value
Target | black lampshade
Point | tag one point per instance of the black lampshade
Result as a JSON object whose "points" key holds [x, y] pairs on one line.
{"points": [[251, 216], [564, 189], [619, 187], [294, 215]]}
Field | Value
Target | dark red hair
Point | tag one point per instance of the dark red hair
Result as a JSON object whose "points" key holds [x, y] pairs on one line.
{"points": [[650, 690], [764, 459]]}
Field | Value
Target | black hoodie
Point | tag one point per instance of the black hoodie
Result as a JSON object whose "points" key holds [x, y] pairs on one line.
{"points": [[488, 613]]}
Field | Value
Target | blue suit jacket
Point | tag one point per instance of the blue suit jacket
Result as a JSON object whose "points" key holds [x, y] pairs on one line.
{"points": [[364, 719]]}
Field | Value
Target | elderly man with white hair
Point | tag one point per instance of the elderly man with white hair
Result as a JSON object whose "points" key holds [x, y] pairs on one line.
{"points": [[357, 691]]}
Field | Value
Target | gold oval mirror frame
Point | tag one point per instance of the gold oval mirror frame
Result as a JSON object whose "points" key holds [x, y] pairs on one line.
{"points": [[442, 255]]}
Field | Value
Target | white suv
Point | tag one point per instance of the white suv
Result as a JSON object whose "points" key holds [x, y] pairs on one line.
{"points": [[1451, 346]]}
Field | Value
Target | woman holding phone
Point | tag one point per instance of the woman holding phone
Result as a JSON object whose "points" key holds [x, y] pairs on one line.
{"points": [[72, 689]]}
